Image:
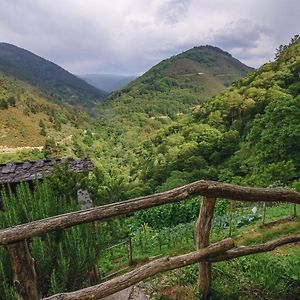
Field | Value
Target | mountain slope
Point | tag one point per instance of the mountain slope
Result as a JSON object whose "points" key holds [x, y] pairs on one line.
{"points": [[107, 82], [28, 118], [249, 135], [53, 81], [177, 83], [129, 117]]}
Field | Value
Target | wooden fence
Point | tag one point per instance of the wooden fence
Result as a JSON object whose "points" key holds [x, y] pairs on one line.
{"points": [[24, 276]]}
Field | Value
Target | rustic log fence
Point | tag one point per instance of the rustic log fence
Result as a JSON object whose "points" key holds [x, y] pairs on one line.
{"points": [[14, 239]]}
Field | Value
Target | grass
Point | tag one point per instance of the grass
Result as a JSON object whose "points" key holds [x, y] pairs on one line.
{"points": [[261, 276], [20, 122], [273, 275]]}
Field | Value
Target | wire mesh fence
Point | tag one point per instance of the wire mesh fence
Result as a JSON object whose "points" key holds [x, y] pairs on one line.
{"points": [[146, 243]]}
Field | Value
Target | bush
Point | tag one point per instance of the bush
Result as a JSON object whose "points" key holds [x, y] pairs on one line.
{"points": [[63, 258], [11, 101], [3, 104]]}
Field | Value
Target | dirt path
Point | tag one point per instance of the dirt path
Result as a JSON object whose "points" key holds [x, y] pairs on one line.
{"points": [[192, 74], [131, 293], [4, 149]]}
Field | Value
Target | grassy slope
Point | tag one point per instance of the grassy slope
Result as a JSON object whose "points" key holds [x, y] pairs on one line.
{"points": [[20, 124], [273, 275]]}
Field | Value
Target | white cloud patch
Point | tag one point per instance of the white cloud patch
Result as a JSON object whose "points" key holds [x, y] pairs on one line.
{"points": [[129, 36]]}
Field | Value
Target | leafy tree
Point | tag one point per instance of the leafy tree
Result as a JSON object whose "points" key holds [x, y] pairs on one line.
{"points": [[50, 149]]}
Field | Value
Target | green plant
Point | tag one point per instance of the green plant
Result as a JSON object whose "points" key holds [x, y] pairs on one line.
{"points": [[63, 258]]}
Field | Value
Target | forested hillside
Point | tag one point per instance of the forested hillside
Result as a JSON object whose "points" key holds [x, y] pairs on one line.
{"points": [[41, 104], [54, 82], [130, 116], [250, 134], [177, 83], [148, 140]]}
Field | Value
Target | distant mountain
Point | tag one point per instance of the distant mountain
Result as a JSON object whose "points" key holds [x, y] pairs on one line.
{"points": [[107, 82], [177, 83], [128, 118], [53, 81]]}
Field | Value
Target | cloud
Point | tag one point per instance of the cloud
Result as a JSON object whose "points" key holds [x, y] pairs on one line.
{"points": [[246, 40], [130, 36], [173, 11], [241, 34]]}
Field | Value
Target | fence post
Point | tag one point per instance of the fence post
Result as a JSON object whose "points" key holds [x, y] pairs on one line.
{"points": [[230, 218], [264, 213], [24, 275], [86, 202], [202, 234], [129, 246]]}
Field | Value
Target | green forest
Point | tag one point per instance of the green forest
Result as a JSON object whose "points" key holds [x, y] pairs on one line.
{"points": [[166, 129]]}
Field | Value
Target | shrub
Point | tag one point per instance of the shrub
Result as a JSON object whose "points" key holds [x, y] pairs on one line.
{"points": [[63, 258]]}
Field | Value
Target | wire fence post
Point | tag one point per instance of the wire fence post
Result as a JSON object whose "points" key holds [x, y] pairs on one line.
{"points": [[264, 213], [129, 248]]}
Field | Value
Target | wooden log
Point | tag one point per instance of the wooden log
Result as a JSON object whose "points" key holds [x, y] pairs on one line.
{"points": [[154, 267], [24, 275], [202, 187], [202, 234], [277, 222], [265, 247]]}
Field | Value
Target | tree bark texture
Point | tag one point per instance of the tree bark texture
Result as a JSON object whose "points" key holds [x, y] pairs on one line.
{"points": [[248, 250], [24, 275], [202, 234]]}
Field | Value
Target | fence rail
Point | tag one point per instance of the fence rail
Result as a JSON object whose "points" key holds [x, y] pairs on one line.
{"points": [[157, 266], [201, 187], [24, 276]]}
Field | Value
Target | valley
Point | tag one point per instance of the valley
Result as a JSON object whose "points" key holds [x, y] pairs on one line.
{"points": [[108, 82], [198, 115]]}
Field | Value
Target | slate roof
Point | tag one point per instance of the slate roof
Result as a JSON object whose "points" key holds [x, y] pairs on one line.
{"points": [[37, 169]]}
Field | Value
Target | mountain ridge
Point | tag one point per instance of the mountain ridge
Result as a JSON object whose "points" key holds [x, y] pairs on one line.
{"points": [[54, 82], [177, 83]]}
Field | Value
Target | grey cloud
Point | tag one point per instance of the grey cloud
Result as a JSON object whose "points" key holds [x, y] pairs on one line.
{"points": [[173, 11], [240, 34], [129, 36]]}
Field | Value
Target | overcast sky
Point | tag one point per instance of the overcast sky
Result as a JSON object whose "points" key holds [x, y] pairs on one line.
{"points": [[130, 36]]}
